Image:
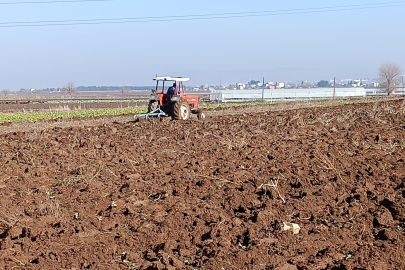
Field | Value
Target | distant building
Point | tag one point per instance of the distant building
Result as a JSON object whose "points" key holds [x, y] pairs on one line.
{"points": [[357, 83], [240, 86], [280, 85]]}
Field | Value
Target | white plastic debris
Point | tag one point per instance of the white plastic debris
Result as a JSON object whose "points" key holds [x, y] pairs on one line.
{"points": [[291, 226]]}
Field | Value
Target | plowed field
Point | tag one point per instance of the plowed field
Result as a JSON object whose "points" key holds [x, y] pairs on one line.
{"points": [[210, 194]]}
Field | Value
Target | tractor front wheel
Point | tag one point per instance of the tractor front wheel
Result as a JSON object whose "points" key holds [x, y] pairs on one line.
{"points": [[181, 110], [153, 105], [201, 114]]}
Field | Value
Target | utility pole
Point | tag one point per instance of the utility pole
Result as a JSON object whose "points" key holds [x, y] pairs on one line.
{"points": [[402, 83], [334, 87], [263, 90]]}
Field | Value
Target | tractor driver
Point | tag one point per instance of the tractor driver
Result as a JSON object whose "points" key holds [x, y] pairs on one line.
{"points": [[172, 90]]}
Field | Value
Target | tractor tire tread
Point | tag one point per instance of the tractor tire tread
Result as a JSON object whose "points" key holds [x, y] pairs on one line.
{"points": [[153, 105], [177, 109]]}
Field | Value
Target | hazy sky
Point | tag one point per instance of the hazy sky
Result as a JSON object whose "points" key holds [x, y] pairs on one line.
{"points": [[315, 46]]}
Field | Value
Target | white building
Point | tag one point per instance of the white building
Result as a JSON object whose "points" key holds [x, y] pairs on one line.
{"points": [[240, 86], [280, 85]]}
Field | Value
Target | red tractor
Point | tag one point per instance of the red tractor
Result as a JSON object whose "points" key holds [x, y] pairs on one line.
{"points": [[169, 99]]}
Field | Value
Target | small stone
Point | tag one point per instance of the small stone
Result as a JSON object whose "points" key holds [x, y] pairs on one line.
{"points": [[237, 222], [384, 218]]}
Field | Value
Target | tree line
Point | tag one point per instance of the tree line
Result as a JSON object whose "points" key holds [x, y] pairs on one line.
{"points": [[114, 88], [390, 75]]}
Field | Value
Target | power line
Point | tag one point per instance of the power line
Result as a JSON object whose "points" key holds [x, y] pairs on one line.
{"points": [[51, 2], [262, 13], [200, 16]]}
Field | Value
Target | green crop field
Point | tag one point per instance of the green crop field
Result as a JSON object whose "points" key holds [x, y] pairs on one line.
{"points": [[36, 116]]}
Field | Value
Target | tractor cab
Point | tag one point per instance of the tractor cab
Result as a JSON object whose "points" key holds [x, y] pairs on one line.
{"points": [[163, 85], [170, 99]]}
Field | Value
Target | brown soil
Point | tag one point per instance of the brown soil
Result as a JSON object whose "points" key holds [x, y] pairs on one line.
{"points": [[197, 195], [224, 110]]}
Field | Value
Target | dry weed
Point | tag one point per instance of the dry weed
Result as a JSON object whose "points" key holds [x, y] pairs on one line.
{"points": [[328, 164], [274, 185]]}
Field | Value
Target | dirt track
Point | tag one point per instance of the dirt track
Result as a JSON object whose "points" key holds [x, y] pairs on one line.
{"points": [[196, 194]]}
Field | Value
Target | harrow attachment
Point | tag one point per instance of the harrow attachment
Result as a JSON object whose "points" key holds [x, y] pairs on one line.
{"points": [[156, 113]]}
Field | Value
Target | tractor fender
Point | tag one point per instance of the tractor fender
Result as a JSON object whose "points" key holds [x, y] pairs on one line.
{"points": [[153, 98], [175, 99]]}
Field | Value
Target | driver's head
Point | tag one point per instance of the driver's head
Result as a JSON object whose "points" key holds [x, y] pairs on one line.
{"points": [[174, 85]]}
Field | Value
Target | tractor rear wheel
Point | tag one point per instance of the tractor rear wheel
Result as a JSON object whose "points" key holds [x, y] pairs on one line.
{"points": [[181, 110], [153, 105]]}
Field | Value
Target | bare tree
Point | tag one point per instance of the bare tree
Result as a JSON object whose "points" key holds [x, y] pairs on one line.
{"points": [[390, 77], [5, 92], [70, 88]]}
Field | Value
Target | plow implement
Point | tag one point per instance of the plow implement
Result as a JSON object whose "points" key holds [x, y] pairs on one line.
{"points": [[156, 113]]}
